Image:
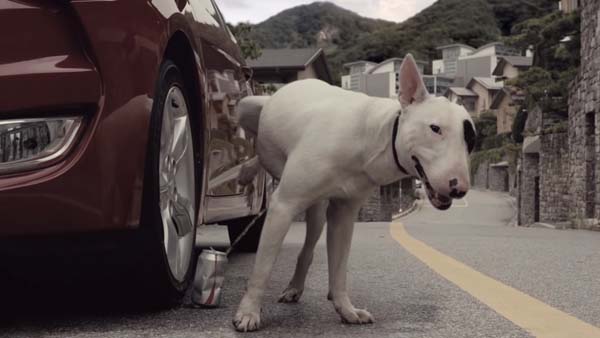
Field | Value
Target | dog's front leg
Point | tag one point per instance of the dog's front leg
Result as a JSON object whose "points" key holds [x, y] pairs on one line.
{"points": [[277, 224], [340, 226]]}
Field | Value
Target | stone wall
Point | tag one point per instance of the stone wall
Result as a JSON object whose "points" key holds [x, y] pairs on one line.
{"points": [[513, 181], [480, 179], [498, 178], [408, 195], [528, 173], [584, 106], [554, 178], [489, 176], [382, 204]]}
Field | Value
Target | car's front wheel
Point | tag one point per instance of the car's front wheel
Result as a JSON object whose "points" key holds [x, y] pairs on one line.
{"points": [[170, 191]]}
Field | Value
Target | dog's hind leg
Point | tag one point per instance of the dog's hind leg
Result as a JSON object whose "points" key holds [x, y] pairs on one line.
{"points": [[340, 226], [315, 221]]}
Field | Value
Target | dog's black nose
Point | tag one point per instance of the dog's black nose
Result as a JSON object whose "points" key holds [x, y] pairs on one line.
{"points": [[453, 182], [456, 194]]}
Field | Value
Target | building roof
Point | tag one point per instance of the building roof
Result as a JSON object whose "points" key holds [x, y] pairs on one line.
{"points": [[390, 60], [278, 61], [350, 64], [516, 61], [461, 91], [286, 58], [519, 61], [455, 45], [488, 82], [495, 43]]}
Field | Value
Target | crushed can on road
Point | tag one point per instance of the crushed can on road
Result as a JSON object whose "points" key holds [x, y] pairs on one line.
{"points": [[208, 283]]}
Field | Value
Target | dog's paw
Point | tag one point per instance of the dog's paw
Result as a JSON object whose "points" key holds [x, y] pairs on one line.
{"points": [[290, 295], [356, 316], [246, 322]]}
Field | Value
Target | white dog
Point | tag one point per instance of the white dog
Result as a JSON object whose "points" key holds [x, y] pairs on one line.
{"points": [[330, 148]]}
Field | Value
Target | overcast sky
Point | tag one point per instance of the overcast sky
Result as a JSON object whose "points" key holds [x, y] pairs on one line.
{"points": [[256, 11]]}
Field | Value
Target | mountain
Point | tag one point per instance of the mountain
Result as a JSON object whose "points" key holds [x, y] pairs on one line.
{"points": [[320, 24], [470, 22], [346, 36]]}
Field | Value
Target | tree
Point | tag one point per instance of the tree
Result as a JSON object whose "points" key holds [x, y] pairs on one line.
{"points": [[556, 41], [510, 13], [486, 128], [243, 32], [519, 125]]}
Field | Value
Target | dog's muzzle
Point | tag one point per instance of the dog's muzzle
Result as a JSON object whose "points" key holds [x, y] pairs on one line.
{"points": [[439, 201]]}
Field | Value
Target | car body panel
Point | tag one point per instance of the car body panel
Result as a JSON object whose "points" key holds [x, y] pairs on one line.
{"points": [[102, 62]]}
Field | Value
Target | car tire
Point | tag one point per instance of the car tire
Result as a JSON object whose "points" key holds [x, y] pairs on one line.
{"points": [[171, 194], [250, 241]]}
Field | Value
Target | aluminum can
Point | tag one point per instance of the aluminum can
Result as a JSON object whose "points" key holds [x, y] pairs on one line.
{"points": [[208, 282]]}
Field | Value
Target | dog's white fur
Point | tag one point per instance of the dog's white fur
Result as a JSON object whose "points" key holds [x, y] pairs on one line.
{"points": [[330, 148]]}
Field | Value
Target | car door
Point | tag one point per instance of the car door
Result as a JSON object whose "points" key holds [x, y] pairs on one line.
{"points": [[229, 148]]}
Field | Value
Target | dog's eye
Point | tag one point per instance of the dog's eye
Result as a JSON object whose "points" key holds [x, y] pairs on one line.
{"points": [[436, 129]]}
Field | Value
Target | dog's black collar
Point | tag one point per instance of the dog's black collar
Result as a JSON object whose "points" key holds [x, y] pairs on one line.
{"points": [[394, 136]]}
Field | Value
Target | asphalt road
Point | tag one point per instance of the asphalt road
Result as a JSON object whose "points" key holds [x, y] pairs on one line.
{"points": [[397, 283]]}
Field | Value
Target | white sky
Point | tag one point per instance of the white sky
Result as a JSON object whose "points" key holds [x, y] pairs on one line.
{"points": [[256, 11]]}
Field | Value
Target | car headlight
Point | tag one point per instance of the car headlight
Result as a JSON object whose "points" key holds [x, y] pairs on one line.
{"points": [[31, 143]]}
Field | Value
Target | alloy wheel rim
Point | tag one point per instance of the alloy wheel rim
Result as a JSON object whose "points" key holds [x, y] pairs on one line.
{"points": [[177, 183]]}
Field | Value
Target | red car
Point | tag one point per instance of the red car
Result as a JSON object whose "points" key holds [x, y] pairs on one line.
{"points": [[118, 118]]}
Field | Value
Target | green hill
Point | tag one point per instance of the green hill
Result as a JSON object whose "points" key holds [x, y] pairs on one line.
{"points": [[320, 24], [346, 36]]}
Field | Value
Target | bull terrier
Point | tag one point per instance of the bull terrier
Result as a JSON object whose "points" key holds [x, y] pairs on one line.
{"points": [[330, 148]]}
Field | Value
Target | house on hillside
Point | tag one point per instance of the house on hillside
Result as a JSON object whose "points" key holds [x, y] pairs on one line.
{"points": [[509, 67], [482, 62], [477, 96], [505, 106], [277, 67], [506, 103], [448, 65], [464, 97], [486, 89], [462, 63], [382, 79]]}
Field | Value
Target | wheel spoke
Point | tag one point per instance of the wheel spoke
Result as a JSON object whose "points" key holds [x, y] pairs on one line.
{"points": [[180, 139], [181, 216], [166, 135], [177, 183], [171, 241]]}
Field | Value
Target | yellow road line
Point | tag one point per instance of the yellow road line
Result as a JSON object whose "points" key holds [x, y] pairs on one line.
{"points": [[534, 316]]}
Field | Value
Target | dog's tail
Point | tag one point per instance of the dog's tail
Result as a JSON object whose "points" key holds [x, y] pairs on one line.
{"points": [[249, 109]]}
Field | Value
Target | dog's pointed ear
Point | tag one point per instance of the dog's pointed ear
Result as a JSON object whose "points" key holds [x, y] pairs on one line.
{"points": [[412, 87]]}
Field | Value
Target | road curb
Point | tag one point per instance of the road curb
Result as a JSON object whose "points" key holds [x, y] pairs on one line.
{"points": [[416, 205]]}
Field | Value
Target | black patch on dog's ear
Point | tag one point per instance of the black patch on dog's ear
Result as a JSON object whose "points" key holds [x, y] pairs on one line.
{"points": [[470, 135]]}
